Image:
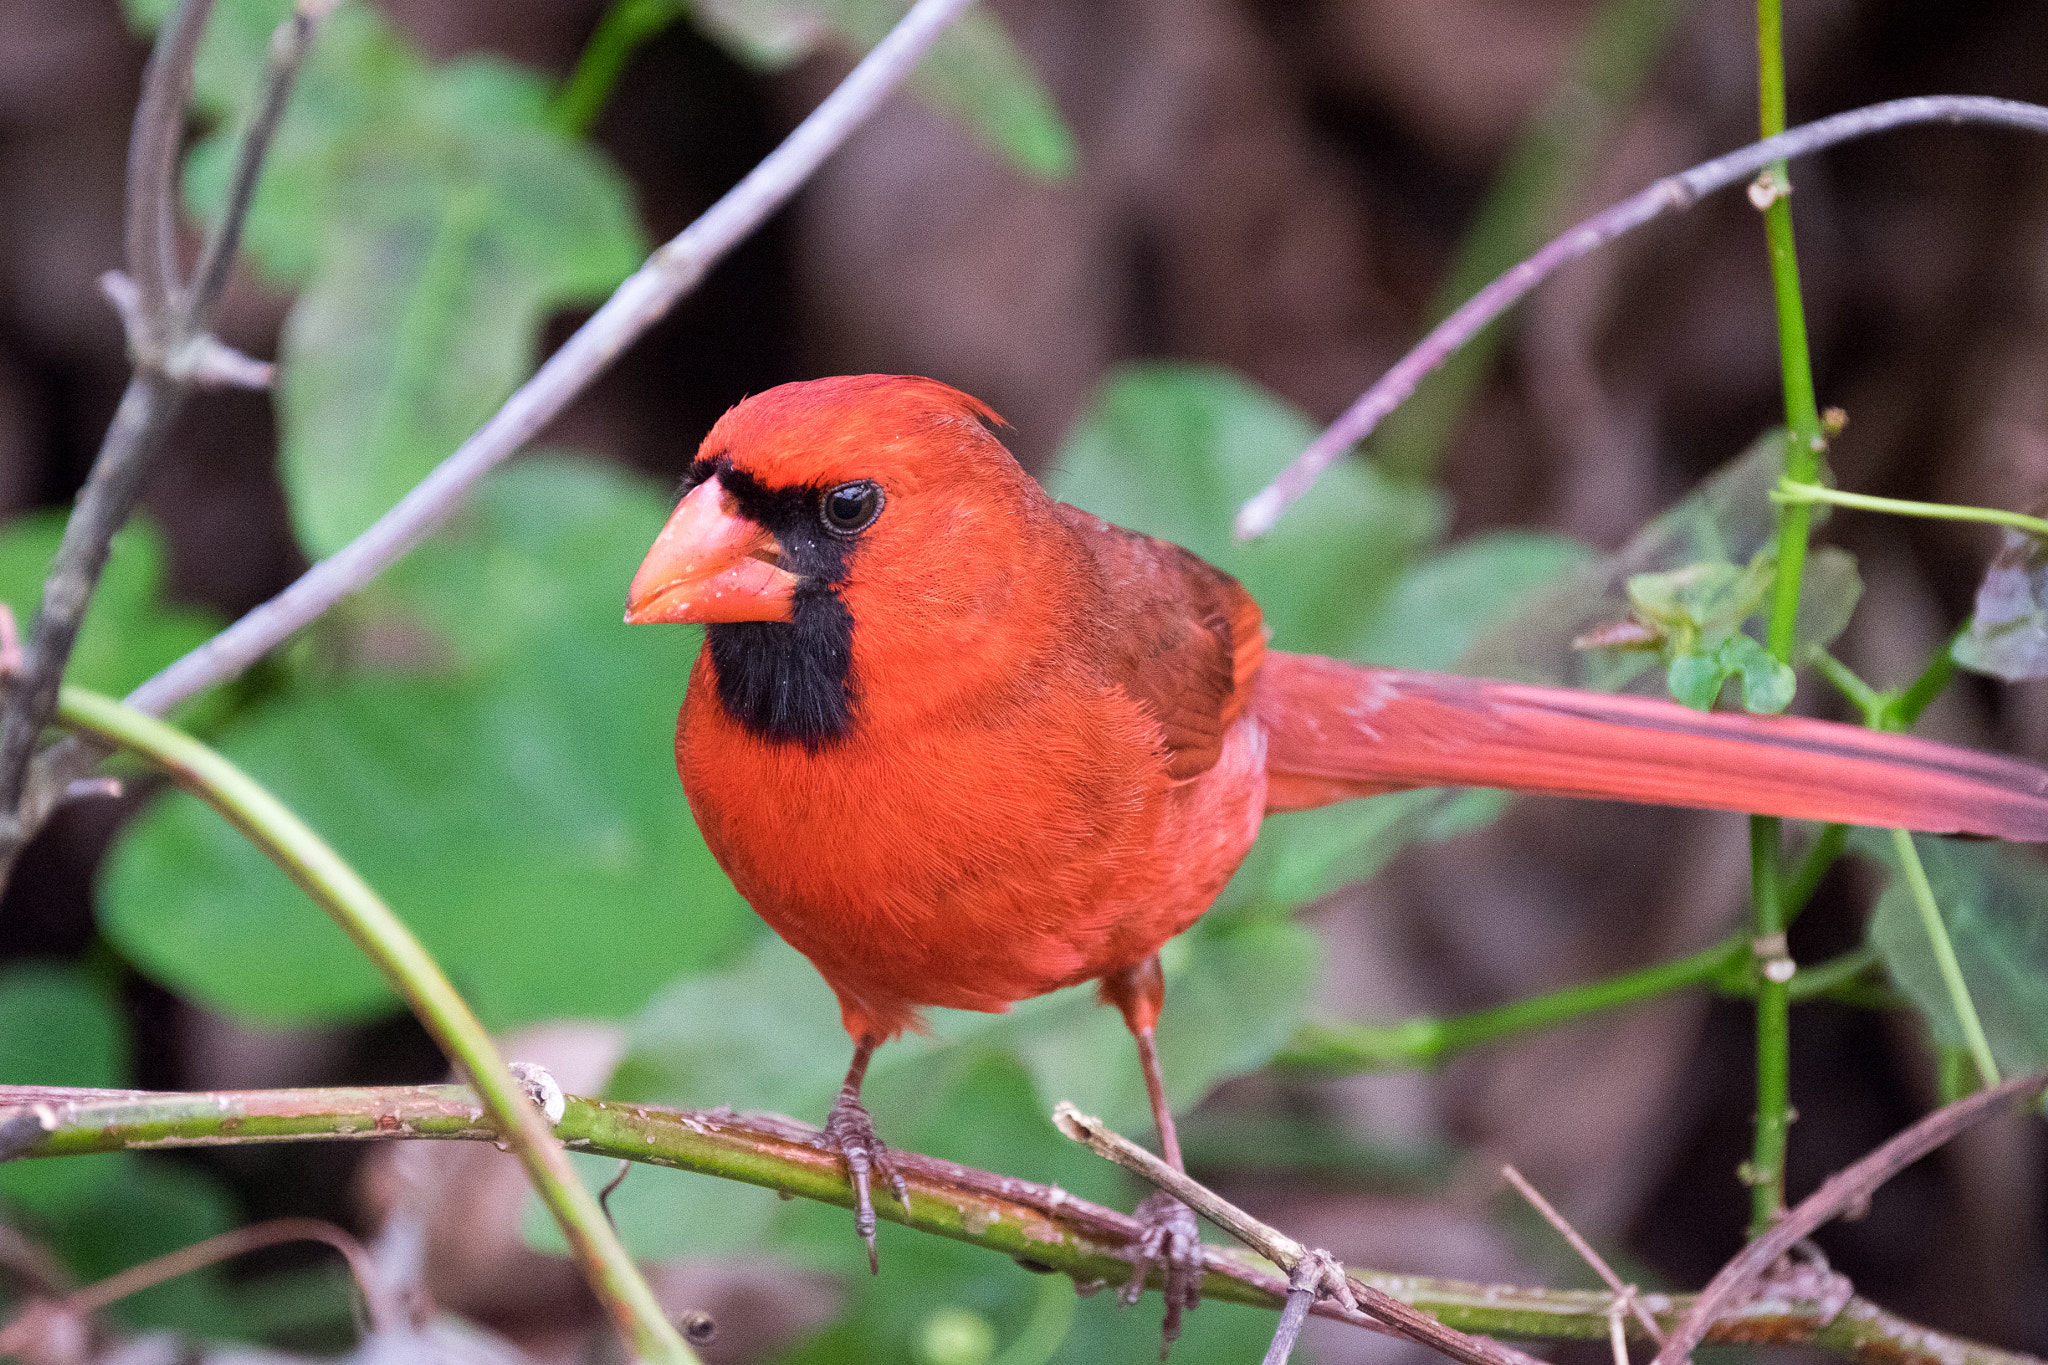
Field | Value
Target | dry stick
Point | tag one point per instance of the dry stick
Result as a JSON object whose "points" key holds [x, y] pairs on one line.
{"points": [[1623, 1293], [173, 351], [91, 1299], [1277, 1246], [150, 229], [1847, 1188], [1041, 1225], [1263, 510], [146, 406], [637, 304]]}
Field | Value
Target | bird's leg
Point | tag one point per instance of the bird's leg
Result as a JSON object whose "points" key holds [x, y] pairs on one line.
{"points": [[850, 1132], [1172, 1240]]}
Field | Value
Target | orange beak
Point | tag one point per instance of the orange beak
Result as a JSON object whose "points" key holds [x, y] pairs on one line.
{"points": [[711, 564]]}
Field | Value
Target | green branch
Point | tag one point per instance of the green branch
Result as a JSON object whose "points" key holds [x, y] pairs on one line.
{"points": [[1038, 1224], [1791, 492], [308, 860], [625, 26], [1771, 192], [1347, 1048], [1895, 710], [1945, 957]]}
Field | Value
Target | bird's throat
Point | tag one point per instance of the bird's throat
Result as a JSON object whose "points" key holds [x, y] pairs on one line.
{"points": [[789, 681]]}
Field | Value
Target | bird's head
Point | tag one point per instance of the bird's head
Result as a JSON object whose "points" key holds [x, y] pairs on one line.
{"points": [[794, 487], [881, 499]]}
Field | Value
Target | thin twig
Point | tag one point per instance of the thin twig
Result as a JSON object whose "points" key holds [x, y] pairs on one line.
{"points": [[1850, 1187], [1623, 1292], [1039, 1224], [82, 1303], [173, 351], [150, 233], [1277, 1246], [1263, 510], [643, 299], [228, 1245], [1944, 951], [1315, 1277], [288, 48]]}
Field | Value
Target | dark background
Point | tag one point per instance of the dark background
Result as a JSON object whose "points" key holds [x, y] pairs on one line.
{"points": [[1278, 188]]}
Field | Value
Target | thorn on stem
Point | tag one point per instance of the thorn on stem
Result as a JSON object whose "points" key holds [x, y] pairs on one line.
{"points": [[604, 1196]]}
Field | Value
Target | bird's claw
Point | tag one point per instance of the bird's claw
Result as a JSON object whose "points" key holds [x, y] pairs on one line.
{"points": [[1172, 1241], [850, 1132]]}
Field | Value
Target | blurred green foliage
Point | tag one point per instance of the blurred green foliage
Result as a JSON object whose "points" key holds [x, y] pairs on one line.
{"points": [[431, 218], [1691, 589]]}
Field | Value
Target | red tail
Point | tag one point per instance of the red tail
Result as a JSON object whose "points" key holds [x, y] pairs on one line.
{"points": [[1337, 731]]}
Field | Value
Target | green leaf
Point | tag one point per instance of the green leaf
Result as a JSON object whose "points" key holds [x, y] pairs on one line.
{"points": [[424, 309], [1828, 593], [977, 74], [974, 72], [434, 216], [518, 805], [2008, 635], [1767, 684], [1171, 450], [130, 631], [1994, 900], [1695, 680]]}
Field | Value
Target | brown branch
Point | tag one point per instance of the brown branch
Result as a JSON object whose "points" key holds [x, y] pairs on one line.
{"points": [[38, 1315], [1851, 1187], [173, 351], [1624, 1293], [1277, 1246], [1039, 1224], [150, 232]]}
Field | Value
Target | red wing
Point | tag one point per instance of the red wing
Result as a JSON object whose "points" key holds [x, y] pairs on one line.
{"points": [[1336, 730], [1185, 638]]}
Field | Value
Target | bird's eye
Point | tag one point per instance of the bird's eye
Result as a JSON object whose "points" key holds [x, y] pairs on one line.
{"points": [[852, 507]]}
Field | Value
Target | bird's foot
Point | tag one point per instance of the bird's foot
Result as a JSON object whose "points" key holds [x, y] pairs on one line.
{"points": [[1172, 1241], [850, 1132]]}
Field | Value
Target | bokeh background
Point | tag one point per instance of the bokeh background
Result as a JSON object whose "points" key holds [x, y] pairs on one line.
{"points": [[1287, 190]]}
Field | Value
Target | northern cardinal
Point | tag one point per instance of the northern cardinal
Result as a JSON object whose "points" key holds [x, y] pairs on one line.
{"points": [[961, 745]]}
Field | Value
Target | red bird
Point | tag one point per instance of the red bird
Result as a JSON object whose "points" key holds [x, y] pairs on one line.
{"points": [[960, 744]]}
